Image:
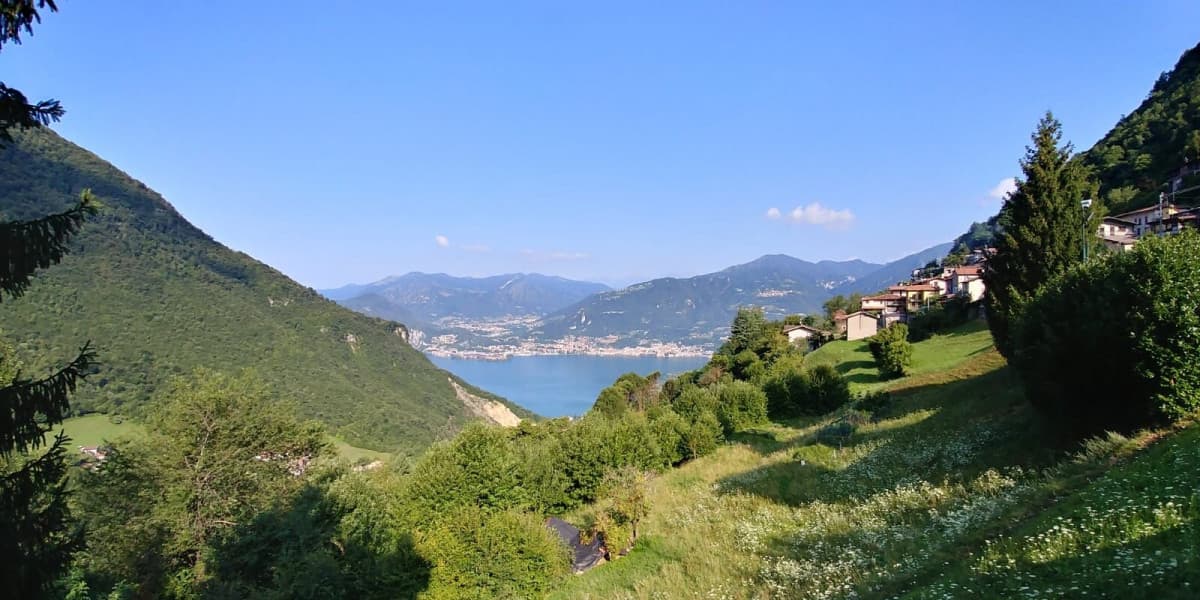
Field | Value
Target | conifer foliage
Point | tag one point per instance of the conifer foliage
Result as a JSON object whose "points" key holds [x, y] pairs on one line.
{"points": [[36, 536], [1043, 228]]}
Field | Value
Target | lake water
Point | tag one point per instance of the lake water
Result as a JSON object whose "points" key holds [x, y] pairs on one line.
{"points": [[563, 385]]}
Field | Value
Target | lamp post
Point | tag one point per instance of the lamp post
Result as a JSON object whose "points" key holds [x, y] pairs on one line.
{"points": [[1086, 203]]}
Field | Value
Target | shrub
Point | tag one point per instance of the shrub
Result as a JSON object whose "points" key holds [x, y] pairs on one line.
{"points": [[479, 467], [747, 366], [827, 390], [815, 391], [703, 436], [669, 430], [939, 317], [693, 401], [740, 405], [621, 507], [1112, 344], [835, 434], [891, 350], [500, 555]]}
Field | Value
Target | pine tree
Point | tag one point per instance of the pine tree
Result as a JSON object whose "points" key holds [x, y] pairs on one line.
{"points": [[1042, 228], [17, 17], [36, 534]]}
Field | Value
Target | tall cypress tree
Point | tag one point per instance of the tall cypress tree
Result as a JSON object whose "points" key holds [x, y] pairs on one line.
{"points": [[1043, 228], [36, 535]]}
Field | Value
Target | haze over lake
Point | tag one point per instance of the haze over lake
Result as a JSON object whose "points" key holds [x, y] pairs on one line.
{"points": [[561, 385]]}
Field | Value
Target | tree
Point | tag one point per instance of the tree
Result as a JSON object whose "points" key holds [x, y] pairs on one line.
{"points": [[219, 451], [834, 304], [629, 392], [17, 17], [1112, 345], [36, 539], [746, 332], [1043, 229], [892, 352]]}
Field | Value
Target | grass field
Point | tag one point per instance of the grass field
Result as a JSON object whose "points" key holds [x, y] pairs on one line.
{"points": [[95, 429], [949, 491], [939, 353]]}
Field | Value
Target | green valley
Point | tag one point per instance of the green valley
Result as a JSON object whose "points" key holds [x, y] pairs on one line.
{"points": [[158, 297]]}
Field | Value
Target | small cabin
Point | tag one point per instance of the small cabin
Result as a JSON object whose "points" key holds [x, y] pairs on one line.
{"points": [[801, 333], [861, 325]]}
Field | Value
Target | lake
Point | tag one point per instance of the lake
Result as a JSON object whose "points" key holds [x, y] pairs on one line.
{"points": [[561, 385]]}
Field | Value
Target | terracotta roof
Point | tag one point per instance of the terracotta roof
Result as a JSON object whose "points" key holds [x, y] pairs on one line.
{"points": [[919, 287], [1151, 208], [862, 312]]}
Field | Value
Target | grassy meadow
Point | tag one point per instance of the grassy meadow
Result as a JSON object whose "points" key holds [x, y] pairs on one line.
{"points": [[949, 490]]}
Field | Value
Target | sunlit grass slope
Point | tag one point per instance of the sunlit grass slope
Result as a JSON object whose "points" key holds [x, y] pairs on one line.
{"points": [[950, 490], [943, 351]]}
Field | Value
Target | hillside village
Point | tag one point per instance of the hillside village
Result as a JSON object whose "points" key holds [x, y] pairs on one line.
{"points": [[932, 286]]}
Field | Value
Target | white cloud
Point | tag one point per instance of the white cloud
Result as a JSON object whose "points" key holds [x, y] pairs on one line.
{"points": [[1003, 189], [559, 255], [815, 214], [442, 241], [773, 213]]}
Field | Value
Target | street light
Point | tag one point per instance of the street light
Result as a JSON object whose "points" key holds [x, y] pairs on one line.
{"points": [[1086, 203]]}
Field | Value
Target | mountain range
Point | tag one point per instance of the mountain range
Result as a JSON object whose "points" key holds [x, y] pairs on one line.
{"points": [[425, 298], [158, 298], [697, 310]]}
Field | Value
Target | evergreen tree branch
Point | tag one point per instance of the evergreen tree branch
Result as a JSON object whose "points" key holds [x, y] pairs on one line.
{"points": [[25, 400], [18, 16], [26, 246], [36, 541], [17, 112]]}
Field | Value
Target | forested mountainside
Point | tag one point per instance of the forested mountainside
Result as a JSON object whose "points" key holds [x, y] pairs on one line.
{"points": [[428, 297], [697, 310], [158, 297], [1149, 146], [893, 272]]}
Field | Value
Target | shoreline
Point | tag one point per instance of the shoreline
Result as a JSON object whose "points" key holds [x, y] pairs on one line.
{"points": [[500, 357]]}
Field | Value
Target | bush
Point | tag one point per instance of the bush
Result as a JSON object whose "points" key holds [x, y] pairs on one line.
{"points": [[502, 555], [1112, 344], [874, 402], [621, 507], [693, 401], [827, 390], [939, 317], [815, 391], [835, 434], [479, 467], [891, 350], [740, 405], [669, 430], [703, 436]]}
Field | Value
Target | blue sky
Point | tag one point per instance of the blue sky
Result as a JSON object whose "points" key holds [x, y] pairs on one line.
{"points": [[607, 141]]}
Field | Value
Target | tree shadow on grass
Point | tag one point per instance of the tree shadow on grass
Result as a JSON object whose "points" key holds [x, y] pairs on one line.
{"points": [[1159, 566], [296, 550], [973, 425]]}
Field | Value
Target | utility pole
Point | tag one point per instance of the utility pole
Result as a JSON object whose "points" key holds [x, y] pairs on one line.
{"points": [[1086, 203]]}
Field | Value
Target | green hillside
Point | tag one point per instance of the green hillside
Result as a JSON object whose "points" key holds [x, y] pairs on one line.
{"points": [[1150, 145], [946, 490], [158, 298], [853, 359]]}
